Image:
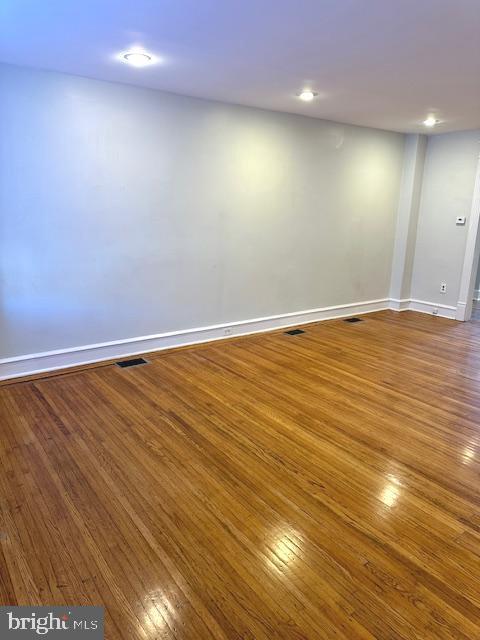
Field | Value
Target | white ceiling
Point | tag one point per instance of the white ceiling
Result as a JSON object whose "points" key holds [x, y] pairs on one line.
{"points": [[381, 63]]}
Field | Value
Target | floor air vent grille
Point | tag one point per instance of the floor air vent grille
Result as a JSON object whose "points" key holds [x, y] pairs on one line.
{"points": [[294, 332], [353, 320], [134, 362]]}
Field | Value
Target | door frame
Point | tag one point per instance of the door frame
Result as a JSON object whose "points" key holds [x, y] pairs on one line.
{"points": [[472, 255]]}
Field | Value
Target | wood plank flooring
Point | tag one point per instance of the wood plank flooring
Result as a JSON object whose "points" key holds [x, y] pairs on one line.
{"points": [[324, 485]]}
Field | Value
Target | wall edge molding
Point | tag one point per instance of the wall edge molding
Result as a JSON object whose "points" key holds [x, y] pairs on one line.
{"points": [[399, 304], [423, 306], [37, 363], [47, 361], [433, 308]]}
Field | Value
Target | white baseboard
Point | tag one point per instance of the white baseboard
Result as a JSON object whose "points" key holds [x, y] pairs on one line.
{"points": [[433, 308], [399, 305], [88, 354]]}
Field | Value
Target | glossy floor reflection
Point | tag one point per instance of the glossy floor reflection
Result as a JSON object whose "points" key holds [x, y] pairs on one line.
{"points": [[323, 485]]}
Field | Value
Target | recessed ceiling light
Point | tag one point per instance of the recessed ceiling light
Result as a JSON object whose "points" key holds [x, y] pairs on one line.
{"points": [[138, 58], [431, 121], [307, 95]]}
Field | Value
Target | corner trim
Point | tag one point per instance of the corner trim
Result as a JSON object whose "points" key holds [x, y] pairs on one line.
{"points": [[399, 305]]}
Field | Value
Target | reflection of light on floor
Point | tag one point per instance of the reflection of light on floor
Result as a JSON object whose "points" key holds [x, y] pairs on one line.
{"points": [[468, 454], [393, 479], [390, 494], [286, 547], [159, 613], [283, 549]]}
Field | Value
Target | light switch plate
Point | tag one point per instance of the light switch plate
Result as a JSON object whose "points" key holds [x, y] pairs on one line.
{"points": [[460, 220]]}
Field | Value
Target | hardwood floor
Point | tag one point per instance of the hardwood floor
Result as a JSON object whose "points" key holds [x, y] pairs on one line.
{"points": [[324, 485]]}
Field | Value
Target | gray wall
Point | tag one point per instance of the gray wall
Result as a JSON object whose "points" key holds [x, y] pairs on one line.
{"points": [[127, 212], [447, 191]]}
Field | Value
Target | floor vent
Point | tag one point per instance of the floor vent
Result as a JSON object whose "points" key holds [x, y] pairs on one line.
{"points": [[131, 363], [353, 320], [294, 332]]}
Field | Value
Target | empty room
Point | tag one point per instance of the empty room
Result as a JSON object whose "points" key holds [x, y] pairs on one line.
{"points": [[240, 319]]}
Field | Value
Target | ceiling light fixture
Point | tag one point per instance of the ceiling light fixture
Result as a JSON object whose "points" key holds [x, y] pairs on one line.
{"points": [[307, 95], [431, 121], [138, 58]]}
